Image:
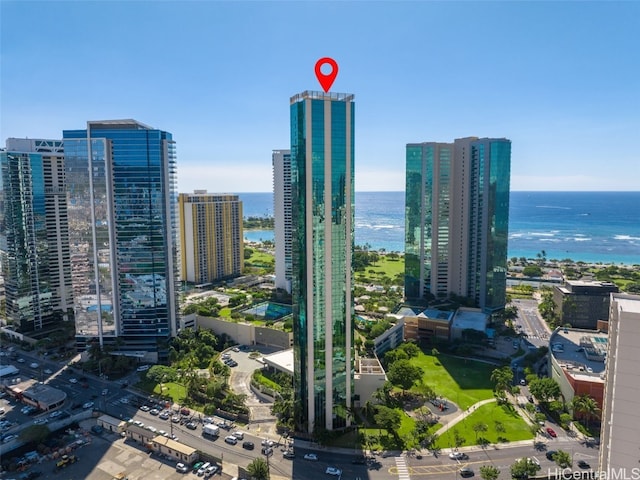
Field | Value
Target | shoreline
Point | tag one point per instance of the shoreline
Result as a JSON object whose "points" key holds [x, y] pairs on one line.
{"points": [[550, 263]]}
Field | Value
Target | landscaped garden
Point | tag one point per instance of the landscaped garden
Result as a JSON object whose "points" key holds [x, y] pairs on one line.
{"points": [[489, 423]]}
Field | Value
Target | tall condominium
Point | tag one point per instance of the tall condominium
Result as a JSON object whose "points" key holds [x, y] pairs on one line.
{"points": [[621, 410], [121, 178], [34, 236], [212, 245], [457, 216], [281, 160], [322, 160]]}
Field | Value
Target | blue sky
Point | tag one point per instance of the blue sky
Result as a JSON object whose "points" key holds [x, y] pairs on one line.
{"points": [[561, 80]]}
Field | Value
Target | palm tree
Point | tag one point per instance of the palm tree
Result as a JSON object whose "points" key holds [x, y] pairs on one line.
{"points": [[258, 469]]}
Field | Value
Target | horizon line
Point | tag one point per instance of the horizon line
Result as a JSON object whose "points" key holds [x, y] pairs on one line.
{"points": [[510, 191]]}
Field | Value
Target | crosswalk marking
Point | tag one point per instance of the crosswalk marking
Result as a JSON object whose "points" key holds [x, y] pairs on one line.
{"points": [[401, 467]]}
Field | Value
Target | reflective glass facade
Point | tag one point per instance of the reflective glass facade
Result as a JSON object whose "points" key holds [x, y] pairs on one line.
{"points": [[34, 241], [457, 213], [123, 209], [322, 173]]}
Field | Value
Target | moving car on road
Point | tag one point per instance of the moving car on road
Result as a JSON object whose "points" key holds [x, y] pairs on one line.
{"points": [[311, 456], [551, 432], [457, 456], [333, 471]]}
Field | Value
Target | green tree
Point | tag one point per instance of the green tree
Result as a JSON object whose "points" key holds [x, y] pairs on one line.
{"points": [[489, 472], [34, 433], [258, 469], [562, 458], [403, 374], [532, 271], [479, 427], [523, 468], [502, 377], [410, 348], [499, 426], [388, 418], [545, 389], [458, 440]]}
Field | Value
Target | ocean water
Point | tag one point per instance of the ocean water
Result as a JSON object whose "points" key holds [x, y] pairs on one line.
{"points": [[588, 226]]}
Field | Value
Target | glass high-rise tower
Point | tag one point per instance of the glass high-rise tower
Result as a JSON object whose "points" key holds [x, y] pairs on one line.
{"points": [[34, 236], [121, 180], [457, 220], [322, 178]]}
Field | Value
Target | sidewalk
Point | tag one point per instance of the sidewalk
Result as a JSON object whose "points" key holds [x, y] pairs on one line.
{"points": [[461, 416]]}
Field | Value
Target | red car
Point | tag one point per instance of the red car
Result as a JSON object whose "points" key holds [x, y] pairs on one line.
{"points": [[551, 432]]}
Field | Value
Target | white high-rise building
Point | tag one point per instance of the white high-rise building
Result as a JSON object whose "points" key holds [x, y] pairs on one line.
{"points": [[619, 440], [281, 160]]}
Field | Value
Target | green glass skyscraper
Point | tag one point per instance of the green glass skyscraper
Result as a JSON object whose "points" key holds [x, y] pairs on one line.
{"points": [[457, 220], [322, 174]]}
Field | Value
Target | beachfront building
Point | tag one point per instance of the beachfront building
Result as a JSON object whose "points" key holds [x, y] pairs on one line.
{"points": [[581, 304], [322, 172], [283, 235], [121, 179], [457, 216], [621, 410], [34, 236], [211, 240]]}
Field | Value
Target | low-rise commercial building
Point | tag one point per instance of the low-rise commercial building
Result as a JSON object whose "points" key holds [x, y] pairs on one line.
{"points": [[577, 362], [176, 450], [427, 325], [112, 424], [369, 377], [581, 304]]}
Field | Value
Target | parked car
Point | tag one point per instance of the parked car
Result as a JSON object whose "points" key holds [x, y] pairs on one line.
{"points": [[457, 456], [47, 371], [288, 454], [73, 380], [583, 464], [230, 439], [466, 472], [34, 365], [87, 405], [55, 414], [181, 468], [550, 454], [191, 425]]}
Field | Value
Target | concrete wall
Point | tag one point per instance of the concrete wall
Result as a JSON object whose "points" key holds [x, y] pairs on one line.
{"points": [[247, 334], [365, 384]]}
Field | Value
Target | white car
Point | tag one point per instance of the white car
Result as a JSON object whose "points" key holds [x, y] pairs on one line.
{"points": [[311, 456], [333, 471], [87, 405], [231, 440], [73, 380], [182, 468], [34, 365], [55, 414], [47, 371], [457, 455]]}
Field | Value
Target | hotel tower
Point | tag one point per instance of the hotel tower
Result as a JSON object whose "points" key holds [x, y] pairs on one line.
{"points": [[322, 169]]}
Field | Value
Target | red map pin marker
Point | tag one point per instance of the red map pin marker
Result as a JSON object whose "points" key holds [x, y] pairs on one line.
{"points": [[326, 80]]}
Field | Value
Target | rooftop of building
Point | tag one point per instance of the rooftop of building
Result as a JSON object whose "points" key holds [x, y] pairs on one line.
{"points": [[627, 303], [282, 360], [127, 123], [38, 392], [470, 318], [570, 347], [369, 366], [317, 95], [173, 445], [595, 286]]}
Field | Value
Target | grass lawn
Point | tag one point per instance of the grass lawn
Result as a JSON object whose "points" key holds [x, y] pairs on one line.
{"points": [[259, 258], [385, 266], [462, 381], [174, 390], [515, 427], [225, 312]]}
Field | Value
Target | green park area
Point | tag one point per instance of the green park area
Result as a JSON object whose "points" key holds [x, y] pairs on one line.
{"points": [[460, 380], [489, 423]]}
